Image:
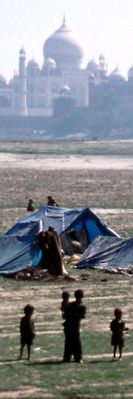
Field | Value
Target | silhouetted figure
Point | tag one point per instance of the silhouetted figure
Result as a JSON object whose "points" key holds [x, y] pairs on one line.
{"points": [[30, 206], [55, 253], [27, 330], [52, 202], [51, 229], [63, 308], [75, 311], [117, 327], [64, 303], [51, 252]]}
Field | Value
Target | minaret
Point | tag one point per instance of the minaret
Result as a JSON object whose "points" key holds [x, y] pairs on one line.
{"points": [[64, 19], [21, 106]]}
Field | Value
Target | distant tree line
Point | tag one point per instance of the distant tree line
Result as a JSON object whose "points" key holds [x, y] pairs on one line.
{"points": [[109, 115]]}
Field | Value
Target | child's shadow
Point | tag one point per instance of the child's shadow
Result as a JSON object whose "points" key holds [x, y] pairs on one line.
{"points": [[43, 362], [58, 362], [48, 362], [31, 363], [100, 361]]}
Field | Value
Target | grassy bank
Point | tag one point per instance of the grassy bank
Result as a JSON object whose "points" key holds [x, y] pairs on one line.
{"points": [[46, 375], [69, 147]]}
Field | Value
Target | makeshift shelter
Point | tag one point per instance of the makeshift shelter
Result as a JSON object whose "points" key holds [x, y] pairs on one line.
{"points": [[108, 253], [83, 230], [18, 248]]}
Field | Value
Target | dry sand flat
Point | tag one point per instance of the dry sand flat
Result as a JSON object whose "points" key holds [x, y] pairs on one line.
{"points": [[26, 393], [46, 162]]}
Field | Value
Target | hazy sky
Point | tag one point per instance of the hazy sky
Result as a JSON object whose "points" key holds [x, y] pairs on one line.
{"points": [[101, 26]]}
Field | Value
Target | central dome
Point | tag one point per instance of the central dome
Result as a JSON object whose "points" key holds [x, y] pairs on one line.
{"points": [[62, 47]]}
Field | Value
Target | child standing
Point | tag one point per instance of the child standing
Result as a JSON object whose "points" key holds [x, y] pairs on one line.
{"points": [[75, 312], [117, 327], [27, 330], [64, 303]]}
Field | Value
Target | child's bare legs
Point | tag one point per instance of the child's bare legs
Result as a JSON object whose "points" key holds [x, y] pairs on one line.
{"points": [[21, 352], [114, 351], [29, 351], [120, 351]]}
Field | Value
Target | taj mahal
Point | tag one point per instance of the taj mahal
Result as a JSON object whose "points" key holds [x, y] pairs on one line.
{"points": [[33, 89]]}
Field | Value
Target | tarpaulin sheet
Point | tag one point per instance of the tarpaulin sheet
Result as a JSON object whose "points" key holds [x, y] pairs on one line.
{"points": [[108, 252], [17, 249]]}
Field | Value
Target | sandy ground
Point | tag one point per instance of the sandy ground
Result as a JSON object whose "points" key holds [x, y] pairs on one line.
{"points": [[65, 162], [102, 183]]}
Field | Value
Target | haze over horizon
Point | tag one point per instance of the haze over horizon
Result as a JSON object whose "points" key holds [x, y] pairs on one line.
{"points": [[101, 27]]}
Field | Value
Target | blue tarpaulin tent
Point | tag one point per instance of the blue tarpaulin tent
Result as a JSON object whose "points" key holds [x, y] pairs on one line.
{"points": [[17, 245], [45, 216], [16, 253], [108, 252]]}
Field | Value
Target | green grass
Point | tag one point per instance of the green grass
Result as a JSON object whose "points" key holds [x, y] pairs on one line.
{"points": [[122, 148], [97, 375]]}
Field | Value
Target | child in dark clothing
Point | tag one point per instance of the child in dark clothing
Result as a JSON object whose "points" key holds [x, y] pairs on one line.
{"points": [[64, 303], [117, 327], [27, 330], [75, 312]]}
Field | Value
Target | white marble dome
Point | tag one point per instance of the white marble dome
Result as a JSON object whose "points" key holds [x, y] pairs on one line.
{"points": [[32, 64], [66, 90], [63, 46], [50, 63], [33, 68], [116, 75], [92, 65]]}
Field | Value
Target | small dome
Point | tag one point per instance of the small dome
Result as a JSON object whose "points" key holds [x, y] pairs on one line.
{"points": [[116, 75], [33, 68], [32, 64], [92, 65], [50, 63], [65, 90]]}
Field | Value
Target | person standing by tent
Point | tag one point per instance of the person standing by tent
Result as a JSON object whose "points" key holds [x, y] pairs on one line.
{"points": [[75, 311], [51, 229], [27, 330], [50, 245], [55, 253]]}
